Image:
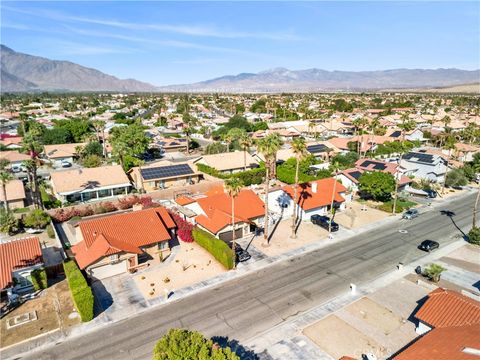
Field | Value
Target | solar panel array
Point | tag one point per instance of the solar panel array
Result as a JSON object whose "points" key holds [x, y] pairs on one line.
{"points": [[355, 174], [420, 157], [396, 134], [377, 165], [318, 148], [166, 171]]}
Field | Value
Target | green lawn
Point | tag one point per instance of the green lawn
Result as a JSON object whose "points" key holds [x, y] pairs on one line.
{"points": [[402, 205]]}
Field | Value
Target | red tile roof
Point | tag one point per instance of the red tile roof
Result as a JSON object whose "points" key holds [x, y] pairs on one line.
{"points": [[449, 308], [446, 343], [218, 209], [18, 254], [184, 200], [123, 232], [308, 200]]}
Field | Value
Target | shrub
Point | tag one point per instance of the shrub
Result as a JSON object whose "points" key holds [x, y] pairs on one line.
{"points": [[401, 206], [37, 219], [50, 231], [474, 236], [434, 271], [218, 248], [456, 177], [81, 292], [8, 223], [184, 228], [189, 345], [39, 279]]}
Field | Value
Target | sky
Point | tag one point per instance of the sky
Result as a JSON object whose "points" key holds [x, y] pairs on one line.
{"points": [[184, 42]]}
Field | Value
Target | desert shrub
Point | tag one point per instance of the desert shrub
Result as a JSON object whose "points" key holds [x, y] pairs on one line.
{"points": [[474, 236], [190, 345], [218, 248], [39, 279], [37, 219], [8, 222], [81, 293]]}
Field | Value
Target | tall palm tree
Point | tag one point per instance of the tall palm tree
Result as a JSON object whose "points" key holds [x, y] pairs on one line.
{"points": [[233, 187], [397, 181], [5, 177], [299, 149], [406, 125], [449, 145], [245, 142], [475, 209], [33, 148], [268, 146], [335, 166], [99, 127]]}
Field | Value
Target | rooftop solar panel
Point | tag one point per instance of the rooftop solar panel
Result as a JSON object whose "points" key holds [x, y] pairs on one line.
{"points": [[355, 174], [377, 165], [317, 148], [166, 171], [396, 134]]}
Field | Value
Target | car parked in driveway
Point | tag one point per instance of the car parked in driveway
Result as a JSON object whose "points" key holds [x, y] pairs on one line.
{"points": [[324, 222], [66, 164], [428, 245], [410, 214], [240, 254]]}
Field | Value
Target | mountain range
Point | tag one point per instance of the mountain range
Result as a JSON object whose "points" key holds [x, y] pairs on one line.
{"points": [[22, 72]]}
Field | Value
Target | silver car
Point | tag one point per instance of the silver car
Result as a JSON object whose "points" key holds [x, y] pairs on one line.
{"points": [[410, 214]]}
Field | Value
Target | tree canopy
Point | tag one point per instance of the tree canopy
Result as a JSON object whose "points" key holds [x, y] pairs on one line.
{"points": [[189, 345], [128, 144], [379, 185]]}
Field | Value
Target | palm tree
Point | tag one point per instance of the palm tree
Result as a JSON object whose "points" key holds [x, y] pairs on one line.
{"points": [[335, 166], [5, 177], [434, 271], [407, 124], [268, 146], [33, 147], [475, 209], [245, 142], [449, 145], [233, 187], [397, 181], [99, 126], [299, 149]]}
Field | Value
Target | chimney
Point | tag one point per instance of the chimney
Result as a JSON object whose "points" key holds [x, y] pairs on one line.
{"points": [[314, 187], [137, 207]]}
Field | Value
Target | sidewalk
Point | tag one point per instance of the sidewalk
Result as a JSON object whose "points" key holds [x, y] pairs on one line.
{"points": [[242, 270]]}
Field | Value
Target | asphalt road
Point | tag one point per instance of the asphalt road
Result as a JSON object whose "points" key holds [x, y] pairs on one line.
{"points": [[247, 306]]}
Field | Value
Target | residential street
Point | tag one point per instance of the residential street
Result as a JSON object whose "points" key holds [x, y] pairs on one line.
{"points": [[245, 307]]}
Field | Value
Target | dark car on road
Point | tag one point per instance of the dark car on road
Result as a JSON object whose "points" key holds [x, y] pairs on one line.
{"points": [[324, 222], [240, 254], [428, 245], [432, 194]]}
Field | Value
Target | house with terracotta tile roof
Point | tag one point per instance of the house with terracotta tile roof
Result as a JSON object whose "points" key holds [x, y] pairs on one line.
{"points": [[15, 194], [18, 258], [14, 157], [11, 142], [313, 198], [449, 325], [115, 244], [62, 152], [214, 214], [89, 184]]}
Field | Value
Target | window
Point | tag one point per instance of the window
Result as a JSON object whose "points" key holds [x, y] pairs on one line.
{"points": [[23, 279], [163, 245], [114, 258]]}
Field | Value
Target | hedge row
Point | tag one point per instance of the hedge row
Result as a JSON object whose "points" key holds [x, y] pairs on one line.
{"points": [[39, 279], [218, 248], [81, 293], [248, 177]]}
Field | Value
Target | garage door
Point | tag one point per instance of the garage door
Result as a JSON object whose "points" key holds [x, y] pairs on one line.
{"points": [[106, 271], [227, 235]]}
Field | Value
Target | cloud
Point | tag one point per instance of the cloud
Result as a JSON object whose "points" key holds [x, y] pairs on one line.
{"points": [[8, 25], [75, 48], [190, 30]]}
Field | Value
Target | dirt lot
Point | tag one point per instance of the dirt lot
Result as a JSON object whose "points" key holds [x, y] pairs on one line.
{"points": [[281, 242], [53, 308], [199, 265], [357, 215], [330, 335]]}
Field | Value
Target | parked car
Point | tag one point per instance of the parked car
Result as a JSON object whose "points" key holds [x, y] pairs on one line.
{"points": [[66, 164], [431, 193], [410, 214], [33, 231], [17, 168], [240, 254], [324, 222], [428, 245]]}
